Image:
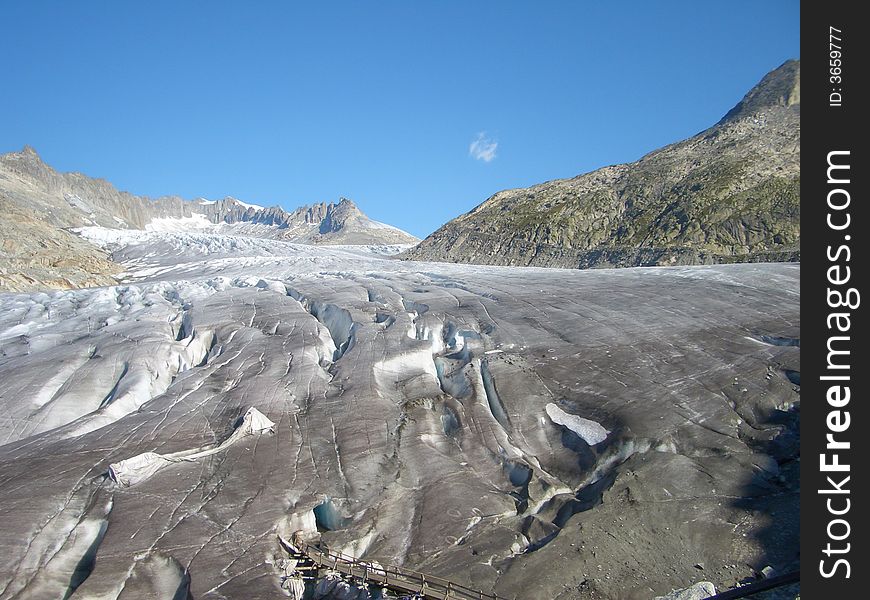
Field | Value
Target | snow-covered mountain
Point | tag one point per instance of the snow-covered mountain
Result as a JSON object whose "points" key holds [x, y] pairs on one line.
{"points": [[43, 206], [537, 433]]}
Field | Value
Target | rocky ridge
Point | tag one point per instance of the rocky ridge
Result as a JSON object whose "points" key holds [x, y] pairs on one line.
{"points": [[42, 206], [729, 194]]}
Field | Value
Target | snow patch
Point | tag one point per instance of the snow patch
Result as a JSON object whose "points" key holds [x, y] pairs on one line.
{"points": [[142, 466], [591, 431], [246, 205], [197, 221], [372, 224]]}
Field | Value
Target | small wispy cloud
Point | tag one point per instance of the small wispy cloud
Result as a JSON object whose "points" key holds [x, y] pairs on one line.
{"points": [[483, 147]]}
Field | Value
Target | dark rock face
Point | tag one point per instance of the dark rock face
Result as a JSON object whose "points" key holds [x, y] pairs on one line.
{"points": [[729, 194], [40, 206]]}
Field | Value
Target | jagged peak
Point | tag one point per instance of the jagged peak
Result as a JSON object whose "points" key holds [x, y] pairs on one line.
{"points": [[780, 87], [27, 153], [27, 162], [346, 206]]}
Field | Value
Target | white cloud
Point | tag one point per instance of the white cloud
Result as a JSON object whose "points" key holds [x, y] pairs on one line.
{"points": [[483, 147]]}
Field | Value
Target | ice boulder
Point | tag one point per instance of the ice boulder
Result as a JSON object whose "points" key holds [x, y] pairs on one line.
{"points": [[591, 431]]}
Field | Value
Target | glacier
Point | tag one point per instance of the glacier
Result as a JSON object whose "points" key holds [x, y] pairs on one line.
{"points": [[537, 433]]}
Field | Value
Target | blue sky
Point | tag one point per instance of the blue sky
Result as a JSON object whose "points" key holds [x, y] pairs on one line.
{"points": [[418, 111]]}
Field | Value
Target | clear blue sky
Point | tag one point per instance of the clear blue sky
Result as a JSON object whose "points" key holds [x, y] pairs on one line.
{"points": [[294, 103]]}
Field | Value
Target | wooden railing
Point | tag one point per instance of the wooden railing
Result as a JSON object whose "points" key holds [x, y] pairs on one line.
{"points": [[397, 579], [407, 581]]}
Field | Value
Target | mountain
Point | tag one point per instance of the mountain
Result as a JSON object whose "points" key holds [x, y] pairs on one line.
{"points": [[42, 206], [729, 194]]}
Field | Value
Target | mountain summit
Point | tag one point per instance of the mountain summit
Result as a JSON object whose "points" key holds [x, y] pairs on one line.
{"points": [[779, 88], [729, 194]]}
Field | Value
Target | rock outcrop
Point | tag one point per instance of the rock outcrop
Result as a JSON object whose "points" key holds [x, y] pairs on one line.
{"points": [[729, 194], [37, 255]]}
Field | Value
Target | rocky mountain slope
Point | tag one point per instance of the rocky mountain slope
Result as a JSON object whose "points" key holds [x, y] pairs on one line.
{"points": [[35, 254], [729, 194], [42, 206]]}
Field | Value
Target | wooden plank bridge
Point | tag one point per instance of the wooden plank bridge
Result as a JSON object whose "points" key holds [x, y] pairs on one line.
{"points": [[315, 561], [395, 579]]}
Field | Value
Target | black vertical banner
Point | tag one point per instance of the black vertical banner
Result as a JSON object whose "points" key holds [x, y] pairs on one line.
{"points": [[835, 421]]}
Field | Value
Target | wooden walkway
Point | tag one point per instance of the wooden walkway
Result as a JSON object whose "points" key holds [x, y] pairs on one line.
{"points": [[396, 579], [313, 559]]}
